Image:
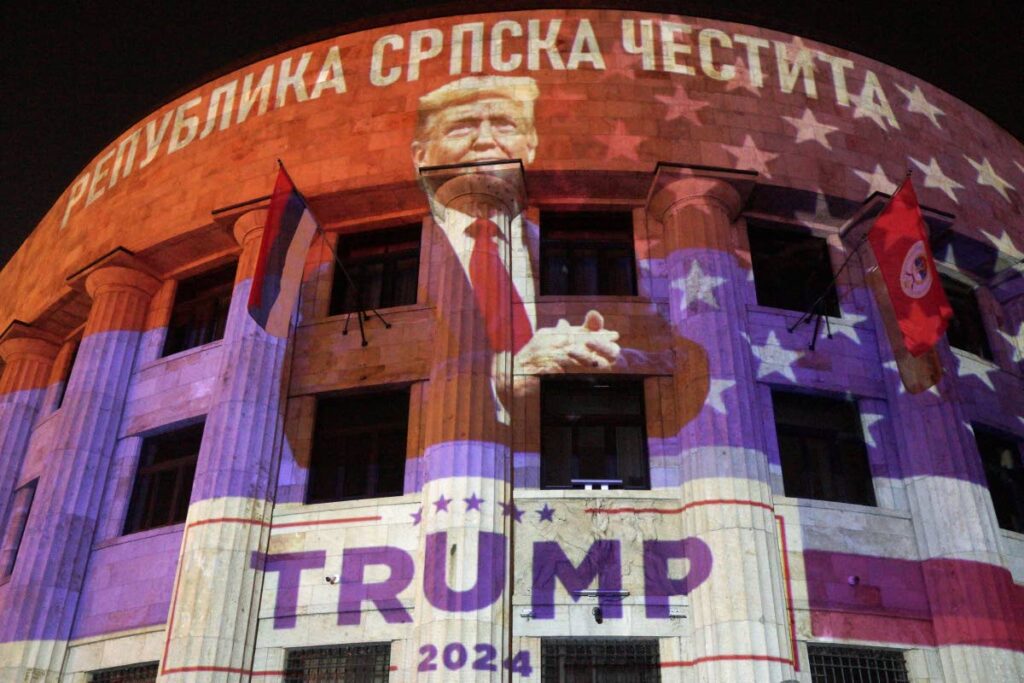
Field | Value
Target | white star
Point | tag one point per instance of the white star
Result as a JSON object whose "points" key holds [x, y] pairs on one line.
{"points": [[988, 176], [1015, 342], [697, 286], [750, 157], [1021, 419], [916, 103], [948, 258], [846, 326], [867, 421], [968, 365], [774, 358], [934, 177], [877, 180], [683, 106], [1017, 164], [718, 386], [808, 128], [1005, 245], [968, 426]]}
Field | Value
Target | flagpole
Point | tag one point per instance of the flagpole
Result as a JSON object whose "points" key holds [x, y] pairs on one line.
{"points": [[344, 270], [806, 316]]}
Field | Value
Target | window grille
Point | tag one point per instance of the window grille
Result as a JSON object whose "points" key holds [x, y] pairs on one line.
{"points": [[587, 253], [361, 663], [791, 269], [383, 264], [593, 431], [840, 664], [135, 673], [600, 660]]}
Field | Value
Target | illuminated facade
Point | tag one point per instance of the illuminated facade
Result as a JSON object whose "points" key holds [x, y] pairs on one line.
{"points": [[589, 435]]}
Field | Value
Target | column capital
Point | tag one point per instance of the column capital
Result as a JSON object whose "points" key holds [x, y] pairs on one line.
{"points": [[120, 278], [501, 182], [28, 348], [249, 226], [676, 186]]}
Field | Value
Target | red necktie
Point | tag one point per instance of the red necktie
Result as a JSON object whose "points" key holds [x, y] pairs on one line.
{"points": [[495, 295]]}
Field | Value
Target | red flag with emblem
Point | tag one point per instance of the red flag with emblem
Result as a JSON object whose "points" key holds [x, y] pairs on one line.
{"points": [[900, 243]]}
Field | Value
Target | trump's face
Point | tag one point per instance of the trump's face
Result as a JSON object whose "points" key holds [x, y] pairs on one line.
{"points": [[480, 130]]}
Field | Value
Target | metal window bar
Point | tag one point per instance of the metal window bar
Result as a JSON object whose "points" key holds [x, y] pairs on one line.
{"points": [[135, 673], [840, 664], [600, 660], [361, 663]]}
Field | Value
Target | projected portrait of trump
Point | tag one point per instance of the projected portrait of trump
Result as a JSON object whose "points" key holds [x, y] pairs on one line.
{"points": [[489, 118]]}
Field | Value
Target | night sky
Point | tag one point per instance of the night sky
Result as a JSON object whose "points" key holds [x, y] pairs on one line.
{"points": [[74, 77]]}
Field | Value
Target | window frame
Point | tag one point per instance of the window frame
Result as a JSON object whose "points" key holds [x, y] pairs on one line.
{"points": [[385, 238], [22, 500], [797, 476], [379, 668], [883, 657], [968, 321], [325, 441], [554, 235], [556, 662], [1015, 490], [549, 420], [130, 673], [141, 511], [201, 318], [766, 290]]}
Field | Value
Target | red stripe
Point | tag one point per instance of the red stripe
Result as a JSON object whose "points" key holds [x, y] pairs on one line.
{"points": [[679, 510], [789, 592], [177, 580], [725, 658]]}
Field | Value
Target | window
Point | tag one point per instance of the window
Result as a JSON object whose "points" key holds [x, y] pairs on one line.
{"points": [[63, 389], [200, 309], [587, 253], [136, 673], [592, 433], [163, 482], [831, 663], [361, 663], [359, 447], [609, 660], [791, 269], [383, 264], [21, 505], [1004, 473], [966, 330], [821, 444]]}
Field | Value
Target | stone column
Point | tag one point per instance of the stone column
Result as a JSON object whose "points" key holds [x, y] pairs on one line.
{"points": [[969, 590], [740, 628], [28, 360], [463, 600], [211, 628], [39, 604]]}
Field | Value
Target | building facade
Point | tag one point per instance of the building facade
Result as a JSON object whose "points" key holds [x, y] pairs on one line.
{"points": [[585, 428]]}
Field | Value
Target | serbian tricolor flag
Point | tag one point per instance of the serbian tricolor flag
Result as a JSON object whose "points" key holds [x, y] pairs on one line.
{"points": [[905, 261], [286, 237]]}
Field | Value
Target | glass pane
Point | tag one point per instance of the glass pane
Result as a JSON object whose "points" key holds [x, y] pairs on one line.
{"points": [[584, 272], [629, 447], [557, 450], [592, 453]]}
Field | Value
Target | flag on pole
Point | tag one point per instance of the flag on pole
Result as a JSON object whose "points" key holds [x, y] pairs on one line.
{"points": [[900, 244], [289, 230]]}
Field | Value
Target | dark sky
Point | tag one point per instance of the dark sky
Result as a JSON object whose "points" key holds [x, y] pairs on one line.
{"points": [[73, 76]]}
